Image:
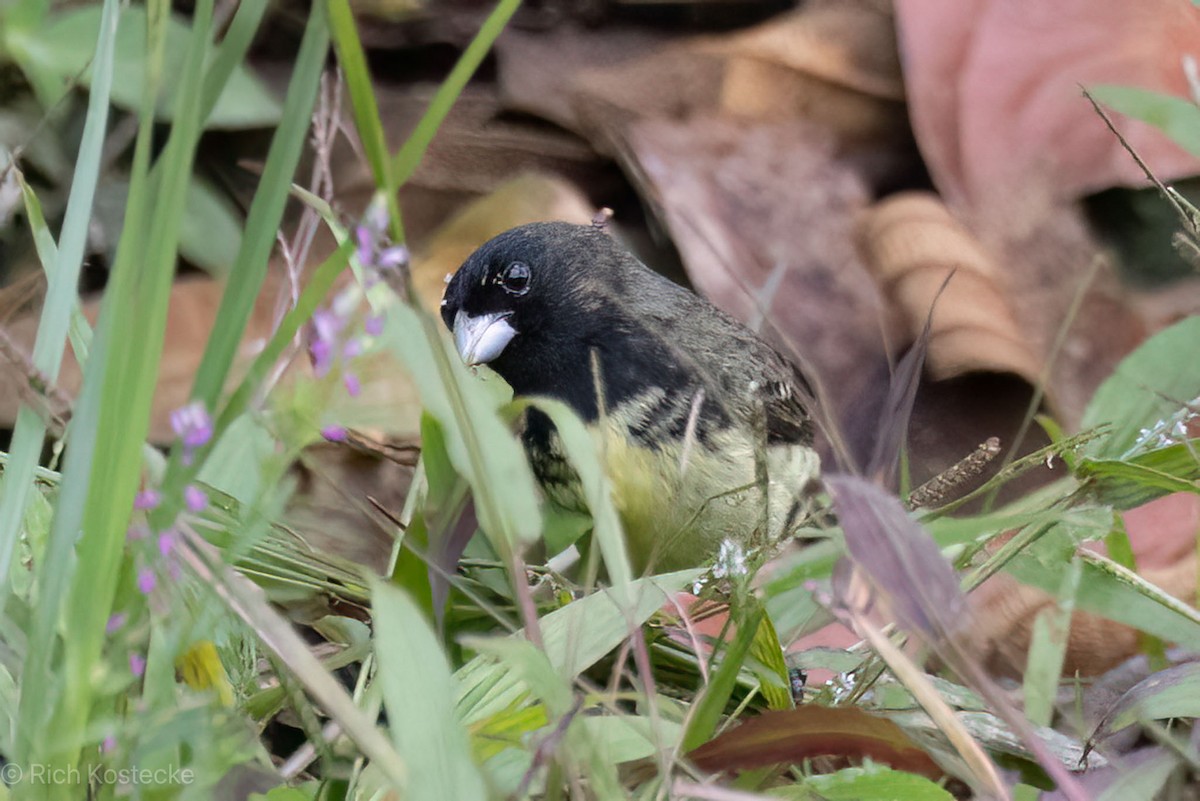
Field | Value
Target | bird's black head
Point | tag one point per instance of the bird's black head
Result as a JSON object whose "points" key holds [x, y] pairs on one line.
{"points": [[526, 302]]}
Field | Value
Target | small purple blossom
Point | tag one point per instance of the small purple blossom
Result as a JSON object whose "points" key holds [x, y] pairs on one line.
{"points": [[392, 257], [137, 665], [334, 433], [352, 349], [327, 324], [115, 622], [321, 352], [373, 325], [166, 542], [146, 581], [195, 499], [374, 250], [146, 499], [192, 424], [110, 742], [353, 385]]}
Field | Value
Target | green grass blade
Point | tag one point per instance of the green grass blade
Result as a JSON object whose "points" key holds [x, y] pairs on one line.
{"points": [[136, 301], [79, 329], [418, 691], [231, 52], [366, 109], [61, 293], [266, 211], [414, 148]]}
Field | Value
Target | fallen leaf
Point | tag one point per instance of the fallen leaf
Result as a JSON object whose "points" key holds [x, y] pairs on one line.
{"points": [[994, 92], [794, 735]]}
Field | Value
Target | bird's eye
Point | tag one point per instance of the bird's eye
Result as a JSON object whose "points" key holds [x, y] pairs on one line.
{"points": [[515, 278]]}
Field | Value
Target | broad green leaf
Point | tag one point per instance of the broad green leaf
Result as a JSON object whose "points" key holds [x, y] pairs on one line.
{"points": [[1111, 591], [872, 781], [211, 234], [1126, 483], [1175, 116], [418, 692], [1170, 693], [482, 448], [1148, 388], [63, 47], [574, 638], [581, 450]]}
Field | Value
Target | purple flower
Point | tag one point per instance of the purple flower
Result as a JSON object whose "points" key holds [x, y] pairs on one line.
{"points": [[334, 433], [194, 498], [146, 581], [373, 325], [110, 743], [192, 424], [351, 349], [321, 351], [146, 499], [137, 665], [365, 251], [353, 386], [166, 542], [327, 324], [114, 623], [392, 258]]}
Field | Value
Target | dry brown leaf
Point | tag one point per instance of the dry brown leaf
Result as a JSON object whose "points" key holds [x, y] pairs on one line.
{"points": [[913, 243], [834, 63], [995, 101], [753, 205]]}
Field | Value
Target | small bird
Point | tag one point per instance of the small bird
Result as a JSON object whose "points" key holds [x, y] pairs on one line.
{"points": [[703, 428]]}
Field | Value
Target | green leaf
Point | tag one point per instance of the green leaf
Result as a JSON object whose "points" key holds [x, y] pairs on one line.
{"points": [[574, 638], [211, 234], [418, 691], [597, 489], [1118, 594], [874, 781], [1047, 649], [1170, 693], [1149, 386], [482, 448], [1176, 117], [62, 47], [710, 705], [1132, 482]]}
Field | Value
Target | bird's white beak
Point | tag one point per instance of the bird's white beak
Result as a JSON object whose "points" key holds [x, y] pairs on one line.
{"points": [[481, 339]]}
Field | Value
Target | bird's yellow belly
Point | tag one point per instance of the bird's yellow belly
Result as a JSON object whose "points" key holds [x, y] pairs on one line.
{"points": [[676, 511]]}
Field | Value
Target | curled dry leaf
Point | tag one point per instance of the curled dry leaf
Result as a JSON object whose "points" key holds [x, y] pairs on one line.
{"points": [[913, 243], [809, 731]]}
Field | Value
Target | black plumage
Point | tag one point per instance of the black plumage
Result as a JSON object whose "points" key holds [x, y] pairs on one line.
{"points": [[682, 397]]}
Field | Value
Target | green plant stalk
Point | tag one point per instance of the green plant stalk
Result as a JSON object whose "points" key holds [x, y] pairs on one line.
{"points": [[61, 294], [79, 330], [366, 109], [406, 161], [250, 268], [140, 291]]}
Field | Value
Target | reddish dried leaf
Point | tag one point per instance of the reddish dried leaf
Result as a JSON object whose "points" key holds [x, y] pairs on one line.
{"points": [[993, 88], [797, 734]]}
